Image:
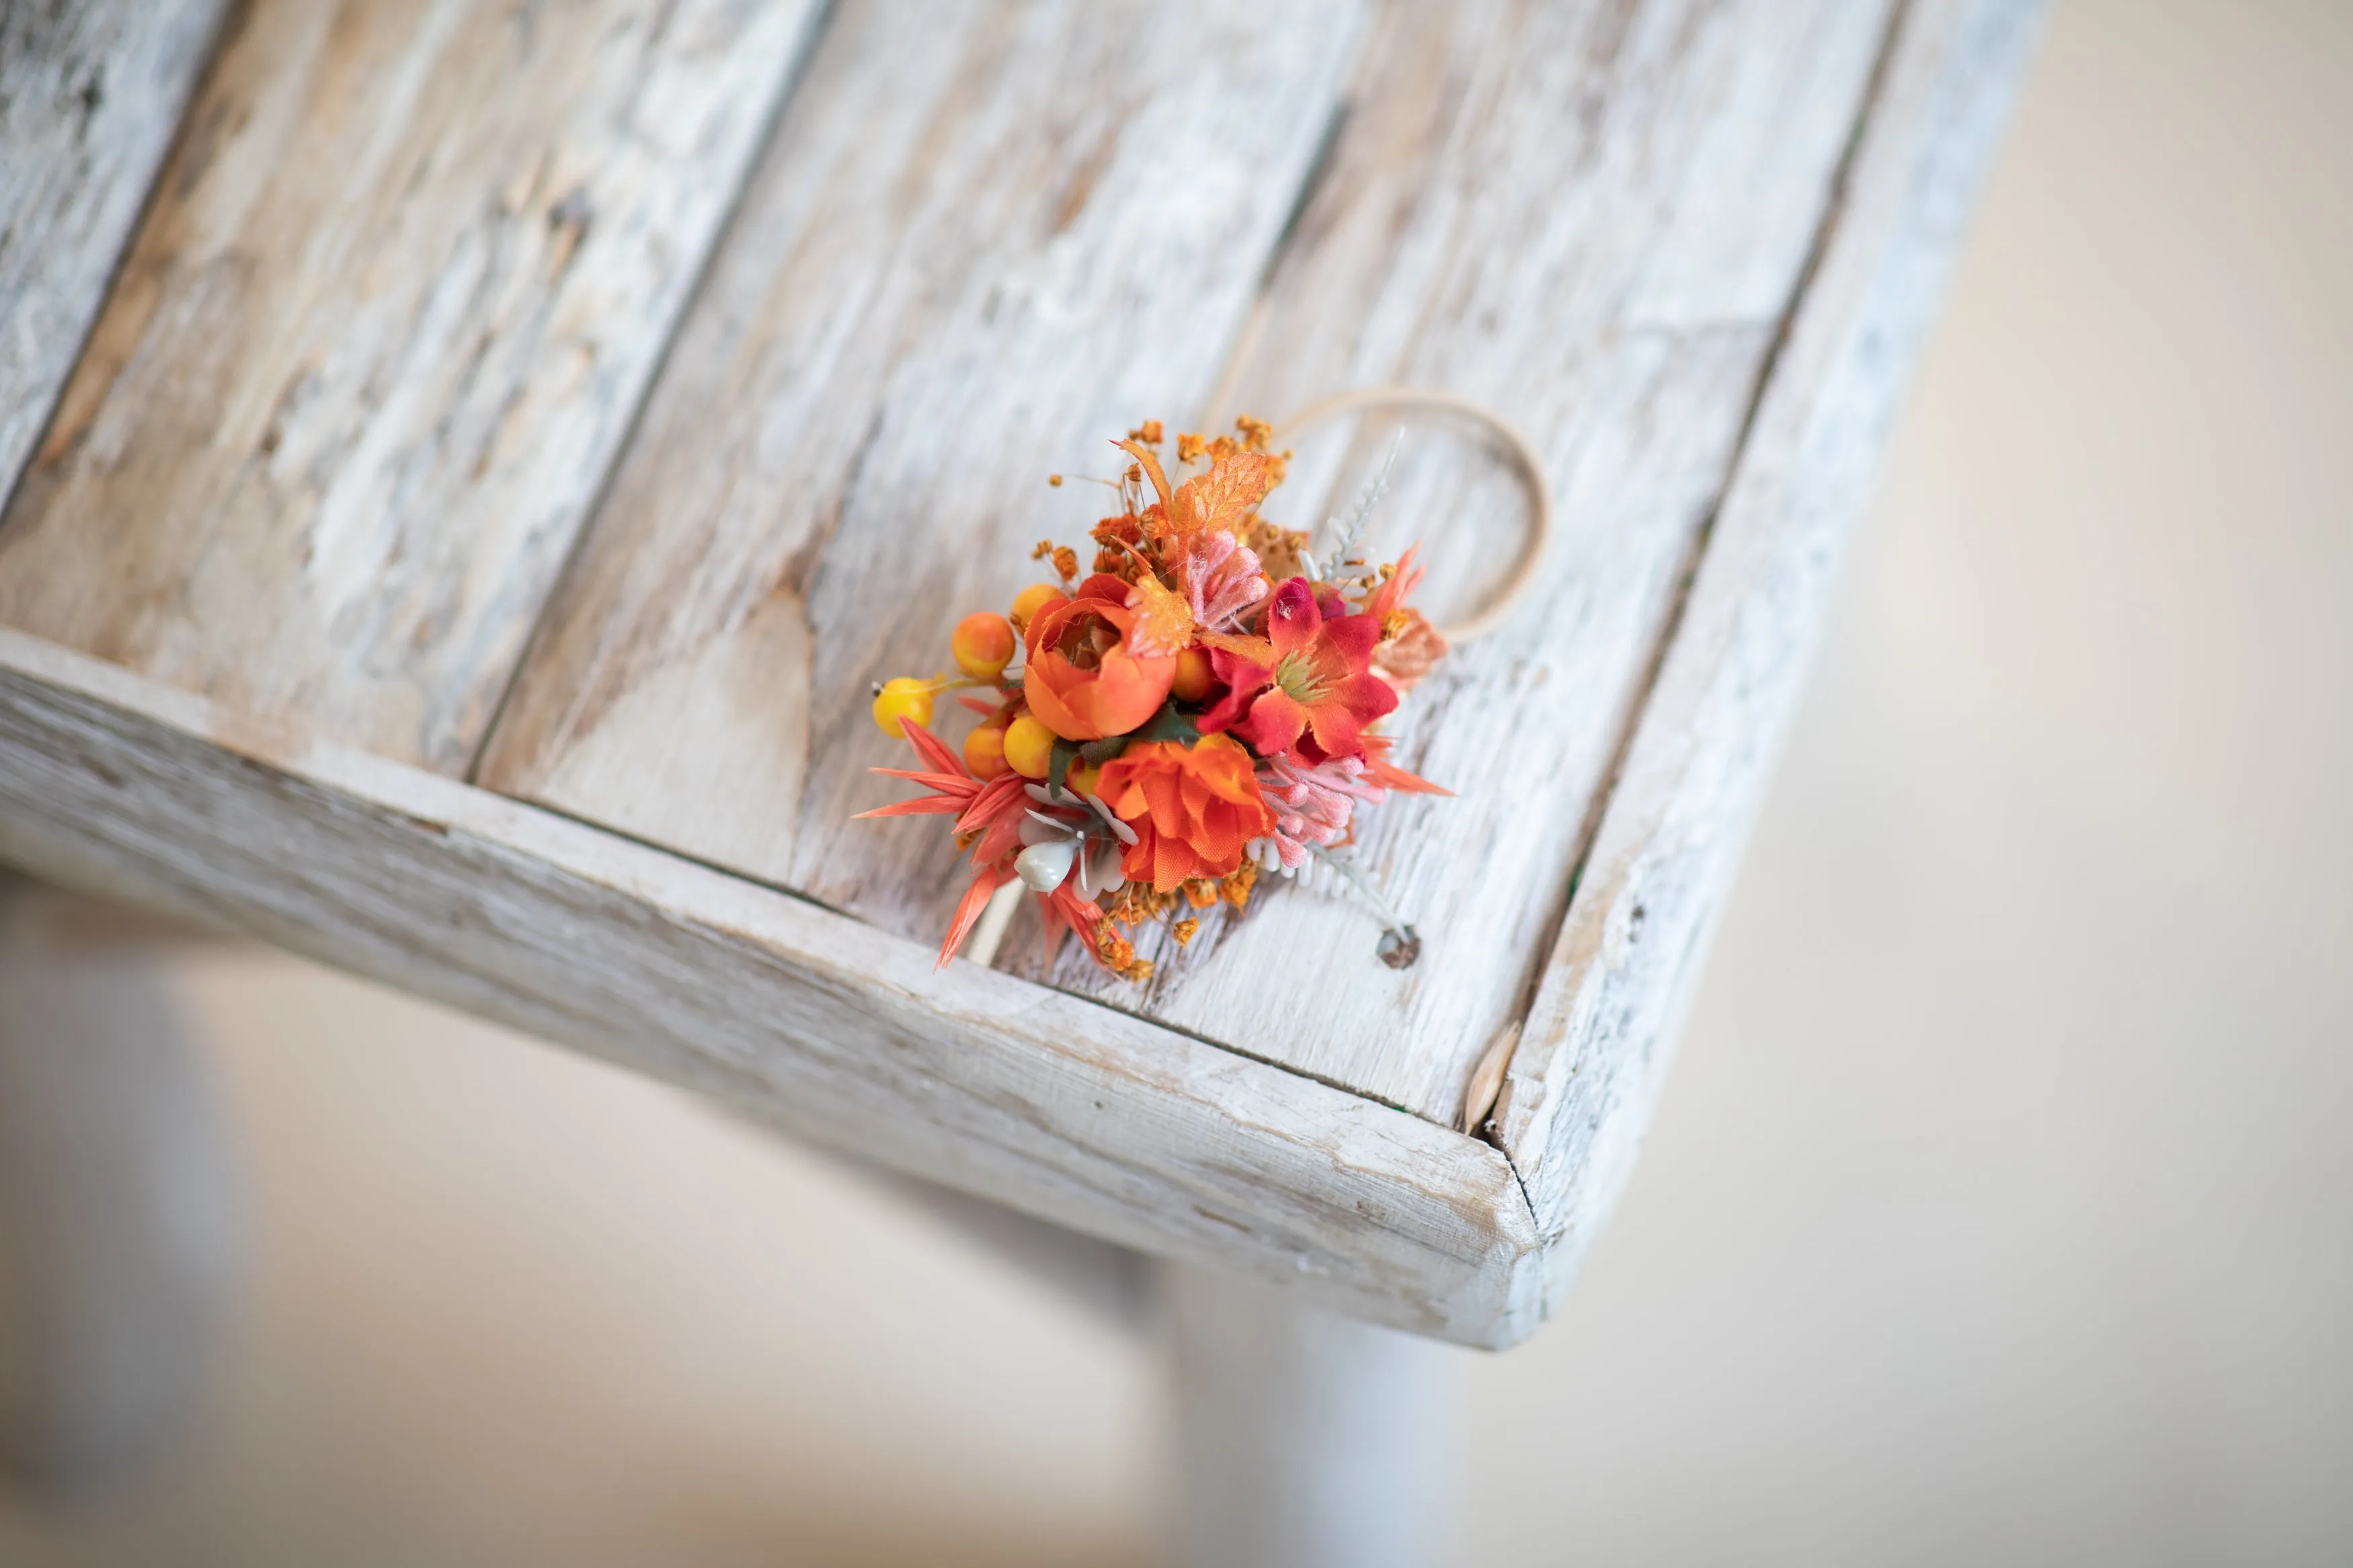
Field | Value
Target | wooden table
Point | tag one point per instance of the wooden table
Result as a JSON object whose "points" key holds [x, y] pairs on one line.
{"points": [[468, 461]]}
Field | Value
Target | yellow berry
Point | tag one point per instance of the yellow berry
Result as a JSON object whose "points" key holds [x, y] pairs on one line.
{"points": [[1032, 600], [1029, 747], [982, 644], [1194, 675], [984, 752], [904, 698], [1082, 778]]}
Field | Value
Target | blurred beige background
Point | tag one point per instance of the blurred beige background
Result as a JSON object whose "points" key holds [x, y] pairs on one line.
{"points": [[2001, 1205]]}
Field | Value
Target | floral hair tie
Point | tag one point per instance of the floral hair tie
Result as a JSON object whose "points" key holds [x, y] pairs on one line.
{"points": [[1200, 709]]}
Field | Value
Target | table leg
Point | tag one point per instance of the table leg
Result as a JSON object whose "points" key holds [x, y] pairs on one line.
{"points": [[116, 1211], [1304, 1439]]}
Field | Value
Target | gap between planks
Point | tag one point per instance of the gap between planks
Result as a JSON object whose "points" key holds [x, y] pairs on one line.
{"points": [[813, 36], [1425, 1038], [1441, 1096], [1603, 1024], [1480, 1121], [129, 114]]}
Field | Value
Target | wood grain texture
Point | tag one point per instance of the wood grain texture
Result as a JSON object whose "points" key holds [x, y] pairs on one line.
{"points": [[1594, 220], [404, 283], [302, 479], [89, 95], [986, 240], [1596, 1043], [119, 786]]}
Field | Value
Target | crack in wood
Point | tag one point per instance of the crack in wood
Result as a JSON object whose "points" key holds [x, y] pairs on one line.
{"points": [[1834, 207]]}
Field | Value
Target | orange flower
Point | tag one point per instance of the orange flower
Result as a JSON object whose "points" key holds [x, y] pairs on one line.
{"points": [[1193, 808], [1083, 680]]}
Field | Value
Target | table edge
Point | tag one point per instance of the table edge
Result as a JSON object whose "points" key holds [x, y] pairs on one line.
{"points": [[114, 784], [1609, 1001]]}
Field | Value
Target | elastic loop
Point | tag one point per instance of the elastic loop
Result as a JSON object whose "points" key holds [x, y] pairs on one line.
{"points": [[1524, 460]]}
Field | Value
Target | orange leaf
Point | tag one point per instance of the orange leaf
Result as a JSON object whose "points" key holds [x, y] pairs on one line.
{"points": [[1151, 465], [1383, 772], [928, 747], [1221, 500], [1390, 776], [969, 910], [1258, 650], [1164, 621], [928, 805]]}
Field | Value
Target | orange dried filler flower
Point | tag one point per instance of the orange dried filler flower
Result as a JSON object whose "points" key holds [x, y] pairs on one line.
{"points": [[1197, 712]]}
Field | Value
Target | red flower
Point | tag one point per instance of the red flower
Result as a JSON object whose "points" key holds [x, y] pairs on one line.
{"points": [[1317, 692]]}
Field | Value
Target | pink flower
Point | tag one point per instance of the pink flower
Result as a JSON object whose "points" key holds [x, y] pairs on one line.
{"points": [[1220, 578], [1313, 805]]}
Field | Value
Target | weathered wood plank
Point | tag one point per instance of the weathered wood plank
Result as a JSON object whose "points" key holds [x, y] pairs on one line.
{"points": [[401, 288], [1613, 991], [1665, 268], [1594, 220], [89, 95], [984, 240], [117, 785]]}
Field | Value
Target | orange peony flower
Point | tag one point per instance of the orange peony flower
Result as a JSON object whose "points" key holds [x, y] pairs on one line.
{"points": [[1193, 808], [1083, 680]]}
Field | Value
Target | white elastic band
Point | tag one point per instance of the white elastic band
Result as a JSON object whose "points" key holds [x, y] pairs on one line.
{"points": [[1523, 461]]}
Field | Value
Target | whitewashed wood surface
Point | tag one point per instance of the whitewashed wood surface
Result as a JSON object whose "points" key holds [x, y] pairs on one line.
{"points": [[817, 1023], [1627, 959], [91, 93], [987, 240], [351, 401], [1594, 220], [385, 322]]}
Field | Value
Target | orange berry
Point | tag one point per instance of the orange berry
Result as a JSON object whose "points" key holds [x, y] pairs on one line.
{"points": [[1032, 600], [1194, 675], [904, 698], [1028, 747], [982, 645], [984, 752]]}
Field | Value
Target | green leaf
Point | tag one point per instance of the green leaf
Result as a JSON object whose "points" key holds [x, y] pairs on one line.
{"points": [[1167, 724]]}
